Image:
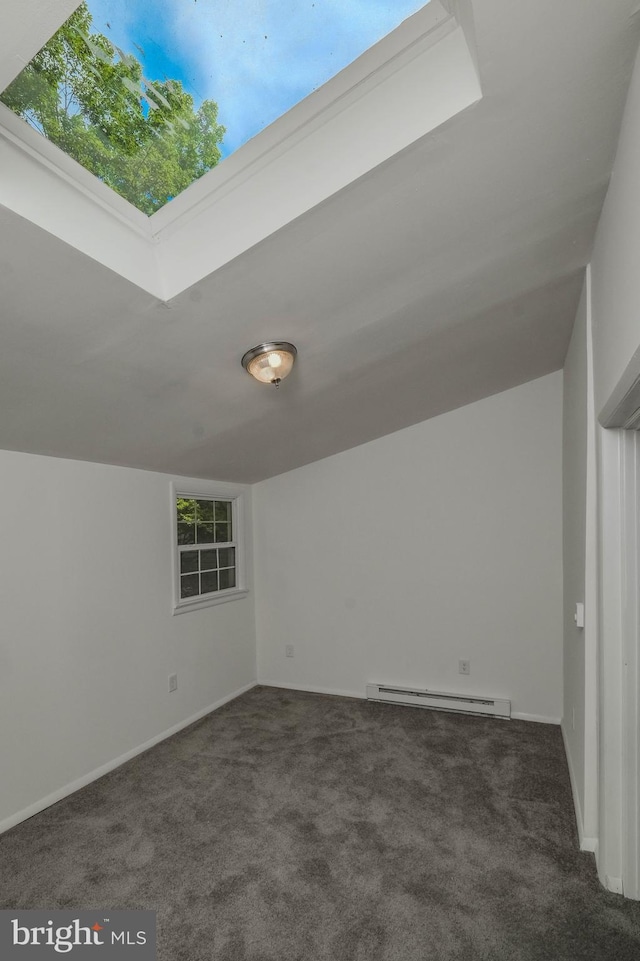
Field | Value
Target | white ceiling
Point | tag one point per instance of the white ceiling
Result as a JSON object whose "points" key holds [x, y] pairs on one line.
{"points": [[449, 272]]}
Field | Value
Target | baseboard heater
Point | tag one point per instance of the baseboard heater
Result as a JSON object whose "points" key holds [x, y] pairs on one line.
{"points": [[439, 700]]}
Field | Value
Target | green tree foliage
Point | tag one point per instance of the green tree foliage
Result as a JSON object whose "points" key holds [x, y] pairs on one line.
{"points": [[143, 139]]}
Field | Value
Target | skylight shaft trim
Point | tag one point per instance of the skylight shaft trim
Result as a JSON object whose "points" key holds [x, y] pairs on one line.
{"points": [[22, 135], [374, 66]]}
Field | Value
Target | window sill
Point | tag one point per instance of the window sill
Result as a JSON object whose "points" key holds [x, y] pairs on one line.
{"points": [[200, 602]]}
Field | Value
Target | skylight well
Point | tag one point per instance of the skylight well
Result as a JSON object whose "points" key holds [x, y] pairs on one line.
{"points": [[148, 95], [120, 113]]}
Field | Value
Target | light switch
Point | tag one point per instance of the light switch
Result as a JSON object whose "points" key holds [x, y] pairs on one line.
{"points": [[579, 615]]}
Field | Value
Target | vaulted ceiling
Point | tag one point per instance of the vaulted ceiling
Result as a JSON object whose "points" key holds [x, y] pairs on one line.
{"points": [[445, 269]]}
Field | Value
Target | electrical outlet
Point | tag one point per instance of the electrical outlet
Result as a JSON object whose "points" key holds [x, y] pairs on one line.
{"points": [[288, 650], [173, 683], [464, 667]]}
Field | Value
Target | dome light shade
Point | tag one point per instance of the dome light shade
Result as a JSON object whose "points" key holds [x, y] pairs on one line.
{"points": [[270, 362]]}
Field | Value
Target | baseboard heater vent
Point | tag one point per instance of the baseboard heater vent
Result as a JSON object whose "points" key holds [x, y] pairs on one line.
{"points": [[463, 703]]}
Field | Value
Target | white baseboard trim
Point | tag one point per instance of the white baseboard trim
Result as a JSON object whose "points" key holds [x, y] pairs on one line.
{"points": [[63, 792], [586, 843], [538, 718], [589, 844], [310, 689], [613, 884]]}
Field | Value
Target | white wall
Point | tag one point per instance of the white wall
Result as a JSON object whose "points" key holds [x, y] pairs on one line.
{"points": [[579, 726], [574, 533], [391, 561], [615, 328], [88, 636], [614, 266]]}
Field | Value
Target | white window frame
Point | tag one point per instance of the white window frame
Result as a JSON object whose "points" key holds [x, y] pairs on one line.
{"points": [[204, 491]]}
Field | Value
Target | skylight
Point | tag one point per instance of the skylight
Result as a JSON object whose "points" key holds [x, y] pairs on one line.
{"points": [[149, 95]]}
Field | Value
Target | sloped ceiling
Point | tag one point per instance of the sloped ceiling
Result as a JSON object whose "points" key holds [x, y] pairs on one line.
{"points": [[448, 273]]}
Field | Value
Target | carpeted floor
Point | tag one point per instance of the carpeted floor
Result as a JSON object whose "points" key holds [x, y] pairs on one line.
{"points": [[297, 827]]}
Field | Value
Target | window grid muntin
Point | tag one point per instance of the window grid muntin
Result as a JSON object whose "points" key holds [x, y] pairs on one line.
{"points": [[208, 512]]}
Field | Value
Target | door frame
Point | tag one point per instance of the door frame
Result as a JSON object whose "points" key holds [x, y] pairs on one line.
{"points": [[630, 636]]}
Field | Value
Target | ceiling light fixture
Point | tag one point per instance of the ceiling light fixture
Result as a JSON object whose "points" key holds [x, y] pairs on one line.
{"points": [[271, 362]]}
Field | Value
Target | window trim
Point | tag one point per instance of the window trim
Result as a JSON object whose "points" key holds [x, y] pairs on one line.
{"points": [[206, 491]]}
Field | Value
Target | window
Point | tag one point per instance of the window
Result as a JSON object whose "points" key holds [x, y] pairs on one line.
{"points": [[148, 96], [208, 547]]}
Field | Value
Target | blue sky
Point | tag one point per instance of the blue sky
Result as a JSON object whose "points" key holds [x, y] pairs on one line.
{"points": [[255, 58]]}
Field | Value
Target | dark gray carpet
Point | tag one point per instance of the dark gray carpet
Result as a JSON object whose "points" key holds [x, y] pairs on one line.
{"points": [[297, 827]]}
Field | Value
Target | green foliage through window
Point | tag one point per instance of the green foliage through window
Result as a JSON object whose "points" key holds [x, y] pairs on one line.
{"points": [[143, 139]]}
